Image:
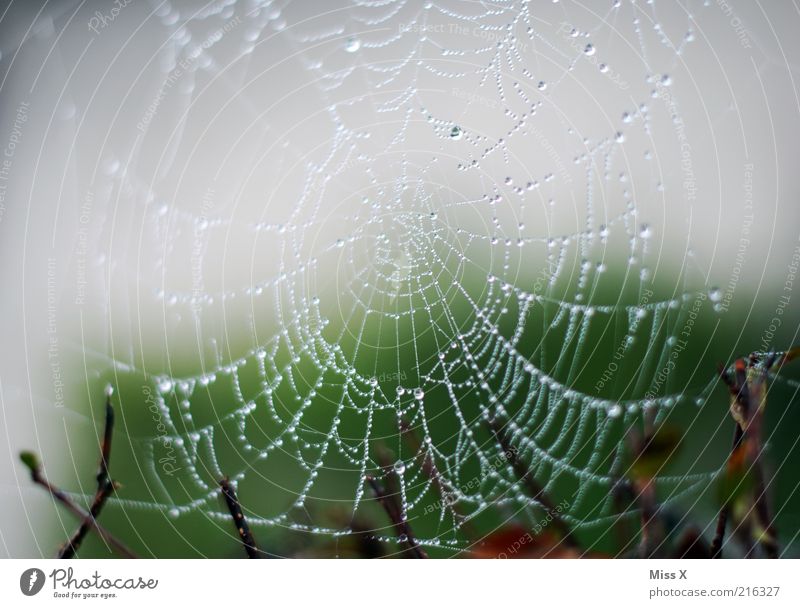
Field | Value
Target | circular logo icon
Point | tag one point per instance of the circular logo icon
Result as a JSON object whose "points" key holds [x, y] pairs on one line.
{"points": [[31, 581]]}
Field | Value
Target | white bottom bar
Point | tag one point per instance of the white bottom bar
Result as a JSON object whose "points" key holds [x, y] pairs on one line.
{"points": [[402, 583]]}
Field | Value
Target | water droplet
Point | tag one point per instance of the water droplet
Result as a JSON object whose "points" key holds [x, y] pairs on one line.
{"points": [[456, 132], [589, 50], [111, 166], [419, 394], [352, 44], [399, 467], [715, 294]]}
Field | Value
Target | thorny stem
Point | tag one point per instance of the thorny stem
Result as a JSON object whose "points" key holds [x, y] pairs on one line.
{"points": [[105, 487], [87, 518], [537, 492], [401, 525], [249, 543]]}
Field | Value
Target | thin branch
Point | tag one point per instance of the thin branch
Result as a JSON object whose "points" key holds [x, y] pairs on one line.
{"points": [[235, 508], [767, 534], [724, 513], [647, 506], [624, 498], [105, 486], [32, 462], [401, 525], [748, 400], [536, 491], [692, 545], [651, 448], [431, 471]]}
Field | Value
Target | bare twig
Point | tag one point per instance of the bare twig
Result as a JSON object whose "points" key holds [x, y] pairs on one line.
{"points": [[432, 471], [651, 449], [624, 498], [536, 491], [105, 486], [32, 462], [724, 513], [692, 545], [401, 525], [647, 505], [757, 386], [748, 401], [444, 488], [249, 543]]}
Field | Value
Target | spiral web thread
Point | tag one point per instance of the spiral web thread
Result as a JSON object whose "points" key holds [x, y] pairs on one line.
{"points": [[430, 283]]}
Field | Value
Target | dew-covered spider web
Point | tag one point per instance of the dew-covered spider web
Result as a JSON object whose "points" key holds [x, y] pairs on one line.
{"points": [[367, 233]]}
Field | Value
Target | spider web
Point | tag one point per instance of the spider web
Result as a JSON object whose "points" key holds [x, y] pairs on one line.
{"points": [[430, 233]]}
